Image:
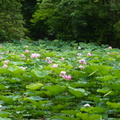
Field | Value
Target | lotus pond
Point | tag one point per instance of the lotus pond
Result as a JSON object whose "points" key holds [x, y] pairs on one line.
{"points": [[57, 80]]}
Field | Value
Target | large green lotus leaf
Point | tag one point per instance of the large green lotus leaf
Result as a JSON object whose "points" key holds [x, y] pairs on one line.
{"points": [[47, 67], [78, 92], [3, 70], [68, 67], [7, 99], [42, 102], [34, 86], [35, 98], [54, 89], [95, 117], [12, 68], [59, 107], [4, 114], [15, 69], [113, 105], [116, 73], [92, 110], [78, 84], [17, 62], [104, 70], [43, 105], [91, 69], [39, 73], [94, 69], [103, 90], [94, 60], [116, 86], [105, 78], [62, 97], [2, 87], [86, 116], [5, 118], [57, 69], [2, 78], [13, 80], [83, 116], [63, 117], [70, 112], [78, 74], [13, 56], [50, 54], [95, 98]]}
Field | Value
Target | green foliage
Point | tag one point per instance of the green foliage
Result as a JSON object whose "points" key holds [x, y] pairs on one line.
{"points": [[34, 88], [117, 29], [11, 20], [81, 20], [27, 10]]}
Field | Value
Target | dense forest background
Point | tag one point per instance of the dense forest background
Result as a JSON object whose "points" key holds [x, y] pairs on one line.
{"points": [[81, 20]]}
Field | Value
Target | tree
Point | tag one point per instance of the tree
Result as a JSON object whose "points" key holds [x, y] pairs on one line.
{"points": [[28, 8], [81, 20], [11, 20]]}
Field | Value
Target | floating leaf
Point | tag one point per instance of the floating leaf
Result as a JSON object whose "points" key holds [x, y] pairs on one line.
{"points": [[113, 105], [5, 118], [70, 112], [86, 116], [103, 90], [54, 89], [78, 92], [2, 87], [92, 110], [105, 78], [39, 73], [4, 114], [34, 86]]}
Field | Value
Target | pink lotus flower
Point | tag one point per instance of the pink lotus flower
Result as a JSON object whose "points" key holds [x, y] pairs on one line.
{"points": [[7, 51], [55, 65], [108, 53], [63, 59], [79, 48], [24, 58], [26, 46], [27, 51], [66, 93], [81, 67], [82, 61], [67, 77], [47, 58], [89, 54], [4, 66], [110, 47], [1, 53], [50, 61], [6, 61], [0, 45], [22, 55], [79, 54], [21, 39], [34, 55], [62, 73]]}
